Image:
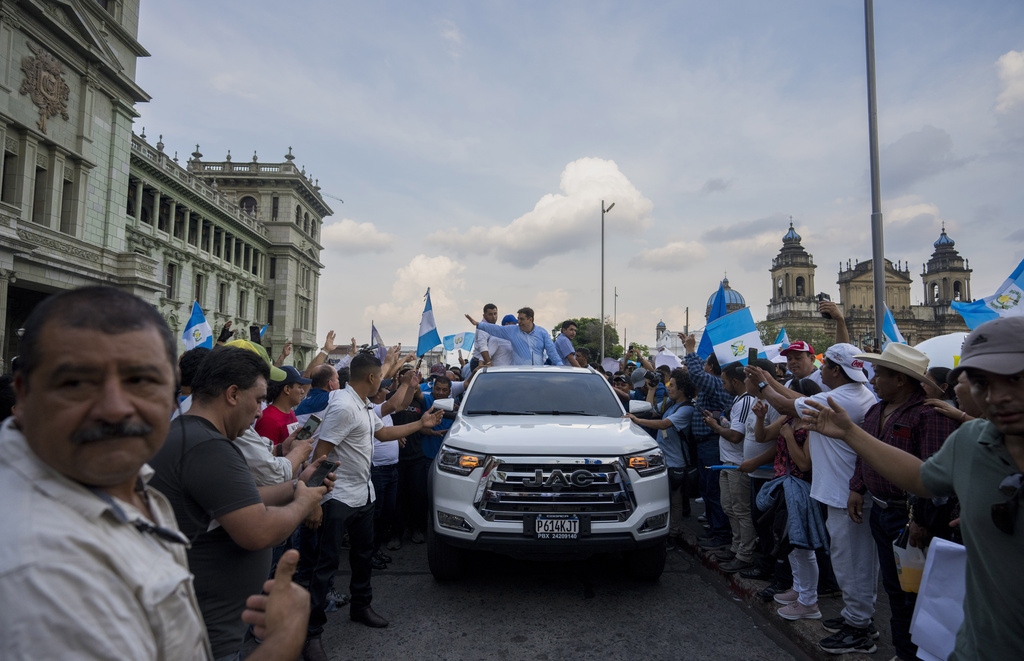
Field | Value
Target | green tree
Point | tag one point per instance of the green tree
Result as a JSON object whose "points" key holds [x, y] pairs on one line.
{"points": [[818, 339], [588, 335], [768, 331]]}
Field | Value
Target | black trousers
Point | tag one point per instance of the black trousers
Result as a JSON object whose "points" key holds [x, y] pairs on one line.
{"points": [[412, 495], [385, 487], [324, 550]]}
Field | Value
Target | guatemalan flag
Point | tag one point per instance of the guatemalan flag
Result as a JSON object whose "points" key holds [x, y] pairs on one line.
{"points": [[428, 338], [783, 338], [718, 310], [462, 341], [378, 343], [730, 337], [1006, 302], [890, 333], [197, 331]]}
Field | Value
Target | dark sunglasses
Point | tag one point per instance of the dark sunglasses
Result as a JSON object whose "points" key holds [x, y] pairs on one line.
{"points": [[1004, 514]]}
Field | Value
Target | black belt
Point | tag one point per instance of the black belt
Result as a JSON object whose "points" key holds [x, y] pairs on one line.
{"points": [[894, 503]]}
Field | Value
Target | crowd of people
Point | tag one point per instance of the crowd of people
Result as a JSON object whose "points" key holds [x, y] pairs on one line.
{"points": [[199, 506]]}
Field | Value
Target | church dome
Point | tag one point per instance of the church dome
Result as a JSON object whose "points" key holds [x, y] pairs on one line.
{"points": [[944, 241], [791, 235], [661, 325], [732, 297]]}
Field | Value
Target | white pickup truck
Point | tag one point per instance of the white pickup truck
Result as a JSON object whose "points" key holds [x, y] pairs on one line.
{"points": [[541, 462]]}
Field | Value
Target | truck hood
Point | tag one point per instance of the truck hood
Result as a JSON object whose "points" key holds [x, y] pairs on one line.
{"points": [[548, 435]]}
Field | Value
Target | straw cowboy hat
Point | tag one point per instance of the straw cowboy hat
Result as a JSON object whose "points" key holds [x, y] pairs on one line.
{"points": [[903, 359]]}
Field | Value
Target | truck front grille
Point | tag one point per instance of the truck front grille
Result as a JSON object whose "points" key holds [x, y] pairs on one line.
{"points": [[510, 489]]}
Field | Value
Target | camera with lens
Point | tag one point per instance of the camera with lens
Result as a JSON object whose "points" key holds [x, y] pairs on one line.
{"points": [[653, 378]]}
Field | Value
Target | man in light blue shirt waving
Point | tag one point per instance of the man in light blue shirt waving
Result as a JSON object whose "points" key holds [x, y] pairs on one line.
{"points": [[529, 342]]}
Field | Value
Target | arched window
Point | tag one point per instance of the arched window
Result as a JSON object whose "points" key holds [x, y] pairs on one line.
{"points": [[957, 291], [298, 215], [778, 289], [248, 205], [935, 292], [800, 286], [305, 223]]}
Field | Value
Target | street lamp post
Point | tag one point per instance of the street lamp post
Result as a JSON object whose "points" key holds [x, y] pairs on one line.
{"points": [[877, 249], [603, 212]]}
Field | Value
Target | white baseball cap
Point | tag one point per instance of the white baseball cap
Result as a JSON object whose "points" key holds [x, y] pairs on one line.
{"points": [[845, 355]]}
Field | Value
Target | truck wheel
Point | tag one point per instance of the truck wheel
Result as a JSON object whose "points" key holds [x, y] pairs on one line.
{"points": [[648, 563], [445, 561]]}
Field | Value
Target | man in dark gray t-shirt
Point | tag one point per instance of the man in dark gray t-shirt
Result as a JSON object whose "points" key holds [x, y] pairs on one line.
{"points": [[233, 524]]}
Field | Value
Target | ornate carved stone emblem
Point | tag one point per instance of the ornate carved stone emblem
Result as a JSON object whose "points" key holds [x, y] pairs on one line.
{"points": [[45, 86]]}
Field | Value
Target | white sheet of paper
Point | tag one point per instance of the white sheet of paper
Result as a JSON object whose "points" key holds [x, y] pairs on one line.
{"points": [[940, 603]]}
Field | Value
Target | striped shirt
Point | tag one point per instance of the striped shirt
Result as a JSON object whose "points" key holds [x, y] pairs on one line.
{"points": [[712, 396]]}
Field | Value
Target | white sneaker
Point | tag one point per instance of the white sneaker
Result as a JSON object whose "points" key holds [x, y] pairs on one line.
{"points": [[797, 611], [788, 597]]}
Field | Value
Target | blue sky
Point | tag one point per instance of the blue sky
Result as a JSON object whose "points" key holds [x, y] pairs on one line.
{"points": [[473, 143]]}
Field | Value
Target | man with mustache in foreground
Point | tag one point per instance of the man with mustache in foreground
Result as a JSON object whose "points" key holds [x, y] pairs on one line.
{"points": [[92, 565]]}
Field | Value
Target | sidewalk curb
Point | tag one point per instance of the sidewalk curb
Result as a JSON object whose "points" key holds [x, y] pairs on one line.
{"points": [[805, 634]]}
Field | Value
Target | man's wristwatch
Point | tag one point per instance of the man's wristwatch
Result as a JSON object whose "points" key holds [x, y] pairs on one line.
{"points": [[762, 385]]}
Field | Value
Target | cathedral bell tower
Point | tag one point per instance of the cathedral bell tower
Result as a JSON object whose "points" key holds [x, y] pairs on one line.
{"points": [[947, 277], [793, 292]]}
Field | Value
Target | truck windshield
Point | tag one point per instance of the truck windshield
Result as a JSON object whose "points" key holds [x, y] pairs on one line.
{"points": [[541, 393]]}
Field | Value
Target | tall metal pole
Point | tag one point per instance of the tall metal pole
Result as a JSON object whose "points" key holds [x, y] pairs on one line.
{"points": [[877, 244], [603, 212]]}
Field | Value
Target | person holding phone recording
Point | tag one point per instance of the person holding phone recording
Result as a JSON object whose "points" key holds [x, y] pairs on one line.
{"points": [[232, 524]]}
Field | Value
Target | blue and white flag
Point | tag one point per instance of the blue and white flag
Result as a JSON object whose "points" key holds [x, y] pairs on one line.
{"points": [[732, 335], [197, 331], [264, 330], [1008, 301], [462, 341], [378, 343], [428, 338], [718, 310], [890, 333], [782, 338]]}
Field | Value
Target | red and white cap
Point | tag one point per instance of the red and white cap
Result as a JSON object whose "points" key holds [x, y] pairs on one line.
{"points": [[797, 346], [845, 355]]}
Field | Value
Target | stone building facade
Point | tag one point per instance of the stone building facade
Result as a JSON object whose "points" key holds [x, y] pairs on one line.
{"points": [[84, 201], [946, 278]]}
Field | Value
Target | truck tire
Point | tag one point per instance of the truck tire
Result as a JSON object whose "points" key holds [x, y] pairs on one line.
{"points": [[648, 563], [445, 561]]}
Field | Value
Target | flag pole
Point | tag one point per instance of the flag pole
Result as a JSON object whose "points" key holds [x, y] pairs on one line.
{"points": [[877, 247]]}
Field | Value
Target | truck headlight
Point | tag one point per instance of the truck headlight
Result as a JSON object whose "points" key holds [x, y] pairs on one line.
{"points": [[647, 463], [456, 461]]}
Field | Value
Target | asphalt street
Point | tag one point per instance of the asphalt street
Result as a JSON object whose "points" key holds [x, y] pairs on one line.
{"points": [[520, 610]]}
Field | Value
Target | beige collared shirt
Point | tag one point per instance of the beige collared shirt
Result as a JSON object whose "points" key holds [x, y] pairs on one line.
{"points": [[78, 579]]}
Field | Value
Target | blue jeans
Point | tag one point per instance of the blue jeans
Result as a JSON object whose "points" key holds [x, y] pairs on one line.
{"points": [[707, 455], [886, 525]]}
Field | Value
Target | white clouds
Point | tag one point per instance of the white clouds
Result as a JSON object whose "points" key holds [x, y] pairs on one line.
{"points": [[1010, 68], [673, 256], [551, 308], [405, 305], [450, 31], [351, 236], [561, 222]]}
